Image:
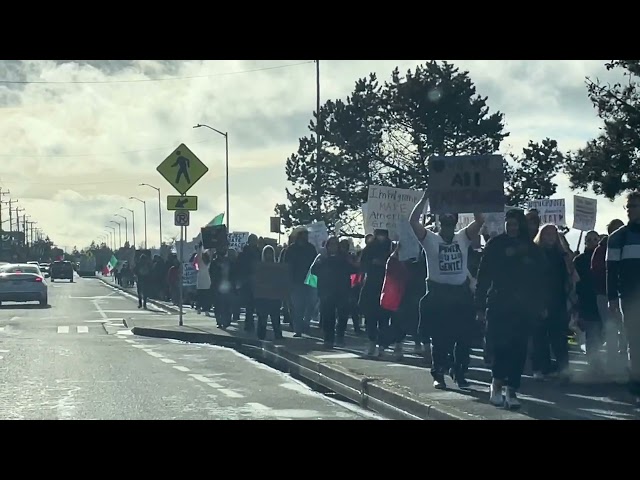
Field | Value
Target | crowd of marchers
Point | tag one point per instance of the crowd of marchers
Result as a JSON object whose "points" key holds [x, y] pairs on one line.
{"points": [[522, 296]]}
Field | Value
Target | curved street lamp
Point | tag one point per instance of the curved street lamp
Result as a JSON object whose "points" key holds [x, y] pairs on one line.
{"points": [[145, 218]]}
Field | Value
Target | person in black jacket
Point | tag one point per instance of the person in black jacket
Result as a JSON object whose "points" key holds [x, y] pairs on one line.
{"points": [[510, 298], [334, 269], [373, 263], [587, 295], [250, 255], [142, 272], [300, 255]]}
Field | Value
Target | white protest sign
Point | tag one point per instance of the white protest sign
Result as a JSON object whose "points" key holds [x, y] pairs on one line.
{"points": [[318, 234], [550, 210], [409, 246], [189, 275], [386, 206], [237, 240], [466, 183], [585, 211], [494, 222]]}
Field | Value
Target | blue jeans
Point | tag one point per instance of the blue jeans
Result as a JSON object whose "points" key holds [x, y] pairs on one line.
{"points": [[303, 304]]}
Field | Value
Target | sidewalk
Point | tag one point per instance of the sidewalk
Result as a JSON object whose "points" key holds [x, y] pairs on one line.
{"points": [[400, 389]]}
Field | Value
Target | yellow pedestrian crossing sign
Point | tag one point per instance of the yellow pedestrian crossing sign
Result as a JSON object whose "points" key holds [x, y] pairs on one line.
{"points": [[182, 169], [182, 202]]}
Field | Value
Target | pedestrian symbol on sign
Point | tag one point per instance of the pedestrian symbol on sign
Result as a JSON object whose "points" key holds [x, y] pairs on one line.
{"points": [[182, 169], [183, 165]]}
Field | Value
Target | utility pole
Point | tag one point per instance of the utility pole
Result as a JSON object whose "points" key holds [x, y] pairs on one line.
{"points": [[11, 202], [2, 194], [318, 145], [18, 210]]}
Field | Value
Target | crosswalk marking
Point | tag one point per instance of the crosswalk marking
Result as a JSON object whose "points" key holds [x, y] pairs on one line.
{"points": [[77, 329]]}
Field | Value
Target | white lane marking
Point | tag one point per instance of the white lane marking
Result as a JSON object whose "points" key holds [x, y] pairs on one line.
{"points": [[99, 310], [167, 360], [181, 368], [231, 393], [63, 329], [1, 357], [258, 407], [405, 366], [128, 340], [4, 351], [138, 346], [153, 354], [82, 329], [121, 337], [338, 355], [13, 319], [124, 332], [1, 329], [203, 379]]}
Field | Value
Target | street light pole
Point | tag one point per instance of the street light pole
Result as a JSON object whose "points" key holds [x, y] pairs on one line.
{"points": [[145, 218], [226, 147], [119, 232], [126, 227], [159, 209], [113, 238], [133, 228]]}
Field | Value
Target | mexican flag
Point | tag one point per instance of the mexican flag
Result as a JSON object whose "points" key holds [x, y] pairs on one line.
{"points": [[217, 220], [111, 265]]}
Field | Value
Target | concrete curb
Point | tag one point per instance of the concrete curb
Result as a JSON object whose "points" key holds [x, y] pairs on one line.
{"points": [[362, 390], [169, 308]]}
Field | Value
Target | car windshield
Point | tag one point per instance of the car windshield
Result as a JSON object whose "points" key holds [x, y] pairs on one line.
{"points": [[20, 269]]}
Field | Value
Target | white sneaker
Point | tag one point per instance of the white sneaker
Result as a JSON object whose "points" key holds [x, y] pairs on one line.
{"points": [[511, 401], [539, 376], [496, 396]]}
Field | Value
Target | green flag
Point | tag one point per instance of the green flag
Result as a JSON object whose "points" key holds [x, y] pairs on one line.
{"points": [[217, 220], [112, 264]]}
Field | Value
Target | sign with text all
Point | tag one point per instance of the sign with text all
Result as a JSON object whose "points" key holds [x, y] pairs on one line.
{"points": [[469, 183], [387, 206]]}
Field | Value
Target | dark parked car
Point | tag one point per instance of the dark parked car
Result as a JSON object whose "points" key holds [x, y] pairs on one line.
{"points": [[61, 270]]}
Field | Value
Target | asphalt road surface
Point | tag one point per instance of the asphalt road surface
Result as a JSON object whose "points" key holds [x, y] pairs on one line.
{"points": [[76, 360]]}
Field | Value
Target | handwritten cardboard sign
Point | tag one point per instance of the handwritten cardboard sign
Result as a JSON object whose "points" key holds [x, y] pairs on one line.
{"points": [[387, 206], [585, 212], [550, 210], [469, 183]]}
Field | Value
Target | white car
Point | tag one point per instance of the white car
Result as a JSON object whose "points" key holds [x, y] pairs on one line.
{"points": [[22, 282]]}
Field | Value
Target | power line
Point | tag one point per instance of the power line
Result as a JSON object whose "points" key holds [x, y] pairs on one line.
{"points": [[98, 154], [94, 82]]}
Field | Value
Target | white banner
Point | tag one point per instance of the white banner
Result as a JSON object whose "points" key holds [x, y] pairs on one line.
{"points": [[585, 211], [189, 275], [551, 210], [318, 234]]}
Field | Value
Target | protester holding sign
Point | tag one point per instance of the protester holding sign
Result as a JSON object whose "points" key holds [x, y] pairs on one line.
{"points": [[446, 311]]}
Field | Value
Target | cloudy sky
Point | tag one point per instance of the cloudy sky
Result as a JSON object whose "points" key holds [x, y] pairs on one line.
{"points": [[78, 143]]}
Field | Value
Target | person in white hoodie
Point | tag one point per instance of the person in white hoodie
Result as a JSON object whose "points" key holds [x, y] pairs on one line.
{"points": [[203, 281]]}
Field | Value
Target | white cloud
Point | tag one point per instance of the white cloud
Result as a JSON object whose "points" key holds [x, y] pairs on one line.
{"points": [[63, 142]]}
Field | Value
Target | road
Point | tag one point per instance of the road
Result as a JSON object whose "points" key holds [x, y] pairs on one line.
{"points": [[76, 360]]}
